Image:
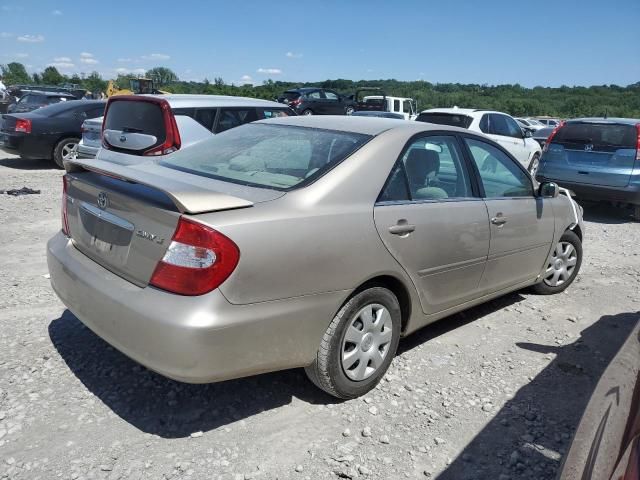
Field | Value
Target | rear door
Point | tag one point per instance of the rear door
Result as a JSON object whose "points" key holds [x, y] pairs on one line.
{"points": [[597, 153], [431, 220], [522, 225]]}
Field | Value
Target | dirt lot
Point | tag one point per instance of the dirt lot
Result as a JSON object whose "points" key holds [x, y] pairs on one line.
{"points": [[493, 393]]}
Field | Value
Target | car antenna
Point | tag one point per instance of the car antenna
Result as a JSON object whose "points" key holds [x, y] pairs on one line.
{"points": [[606, 114]]}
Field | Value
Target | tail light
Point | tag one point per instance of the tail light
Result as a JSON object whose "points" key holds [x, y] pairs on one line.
{"points": [[296, 102], [23, 125], [550, 138], [638, 142], [198, 260], [63, 210]]}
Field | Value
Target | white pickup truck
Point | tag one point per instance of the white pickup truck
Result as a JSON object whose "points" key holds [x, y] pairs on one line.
{"points": [[383, 103]]}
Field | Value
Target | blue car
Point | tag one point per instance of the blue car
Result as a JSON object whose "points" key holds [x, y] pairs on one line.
{"points": [[596, 158]]}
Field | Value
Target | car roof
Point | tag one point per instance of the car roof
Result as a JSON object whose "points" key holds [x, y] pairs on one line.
{"points": [[49, 94], [357, 124], [460, 111], [303, 89], [611, 120], [187, 100]]}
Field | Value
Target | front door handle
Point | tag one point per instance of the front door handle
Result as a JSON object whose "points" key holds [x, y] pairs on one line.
{"points": [[402, 228], [499, 220]]}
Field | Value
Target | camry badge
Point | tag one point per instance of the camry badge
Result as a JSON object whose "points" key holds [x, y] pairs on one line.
{"points": [[103, 200]]}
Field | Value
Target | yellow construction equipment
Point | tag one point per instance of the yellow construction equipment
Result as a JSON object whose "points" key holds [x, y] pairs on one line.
{"points": [[138, 86]]}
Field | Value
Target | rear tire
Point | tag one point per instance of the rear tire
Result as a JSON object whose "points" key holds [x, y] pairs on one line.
{"points": [[308, 111], [351, 340], [635, 212], [65, 149], [563, 267]]}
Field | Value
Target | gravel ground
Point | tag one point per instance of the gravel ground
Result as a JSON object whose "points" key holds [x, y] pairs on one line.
{"points": [[492, 393]]}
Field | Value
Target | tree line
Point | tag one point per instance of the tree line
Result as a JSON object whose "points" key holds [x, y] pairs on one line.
{"points": [[564, 101]]}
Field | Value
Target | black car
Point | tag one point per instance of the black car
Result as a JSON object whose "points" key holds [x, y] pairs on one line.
{"points": [[32, 100], [317, 101], [51, 132]]}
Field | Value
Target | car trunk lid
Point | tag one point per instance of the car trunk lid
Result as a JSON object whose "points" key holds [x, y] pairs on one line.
{"points": [[124, 216], [597, 153]]}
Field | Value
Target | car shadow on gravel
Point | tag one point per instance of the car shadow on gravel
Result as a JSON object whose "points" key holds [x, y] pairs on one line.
{"points": [[606, 214], [157, 405], [527, 438], [23, 164]]}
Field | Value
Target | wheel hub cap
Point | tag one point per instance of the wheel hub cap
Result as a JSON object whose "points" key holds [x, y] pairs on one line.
{"points": [[561, 265], [366, 342]]}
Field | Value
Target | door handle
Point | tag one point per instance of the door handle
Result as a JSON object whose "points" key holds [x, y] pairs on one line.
{"points": [[499, 220], [401, 228]]}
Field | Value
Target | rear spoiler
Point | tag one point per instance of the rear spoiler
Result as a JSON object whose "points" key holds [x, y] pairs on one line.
{"points": [[190, 195]]}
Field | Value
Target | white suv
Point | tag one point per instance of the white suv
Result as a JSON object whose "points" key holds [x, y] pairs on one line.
{"points": [[498, 126]]}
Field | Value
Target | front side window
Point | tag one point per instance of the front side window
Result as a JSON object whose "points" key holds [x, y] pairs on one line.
{"points": [[330, 95], [314, 96], [500, 175], [514, 129], [432, 168], [231, 118], [484, 123], [498, 125], [272, 156], [396, 105], [206, 117]]}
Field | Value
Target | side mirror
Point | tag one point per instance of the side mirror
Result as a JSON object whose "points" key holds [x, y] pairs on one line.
{"points": [[528, 134], [548, 190]]}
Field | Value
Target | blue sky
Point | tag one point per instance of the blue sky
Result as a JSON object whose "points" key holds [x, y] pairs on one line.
{"points": [[538, 42]]}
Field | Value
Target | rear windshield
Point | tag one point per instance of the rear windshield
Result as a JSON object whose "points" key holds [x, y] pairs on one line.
{"points": [[451, 119], [280, 157], [291, 95], [600, 136], [136, 117]]}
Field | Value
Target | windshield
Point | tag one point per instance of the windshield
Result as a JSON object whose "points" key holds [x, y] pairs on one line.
{"points": [[272, 156], [453, 120]]}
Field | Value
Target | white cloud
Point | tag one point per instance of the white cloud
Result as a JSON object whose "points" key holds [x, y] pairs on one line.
{"points": [[125, 71], [31, 38], [125, 60], [61, 65], [56, 13], [246, 79], [86, 55], [293, 55], [6, 35], [21, 55], [62, 59], [156, 56], [89, 60], [270, 71]]}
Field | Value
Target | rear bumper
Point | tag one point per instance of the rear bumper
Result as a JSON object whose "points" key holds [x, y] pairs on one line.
{"points": [[628, 194], [11, 143], [86, 151], [191, 339]]}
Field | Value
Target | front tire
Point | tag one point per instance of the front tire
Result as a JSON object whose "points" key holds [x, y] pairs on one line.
{"points": [[359, 344], [65, 149], [308, 111], [349, 111], [534, 164], [563, 267]]}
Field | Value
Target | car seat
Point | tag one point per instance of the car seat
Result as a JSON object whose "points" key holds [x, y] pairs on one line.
{"points": [[422, 167]]}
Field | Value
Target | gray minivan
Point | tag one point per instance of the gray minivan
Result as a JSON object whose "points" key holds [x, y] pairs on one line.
{"points": [[597, 158]]}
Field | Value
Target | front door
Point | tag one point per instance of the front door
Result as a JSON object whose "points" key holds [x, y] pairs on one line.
{"points": [[433, 223], [522, 224]]}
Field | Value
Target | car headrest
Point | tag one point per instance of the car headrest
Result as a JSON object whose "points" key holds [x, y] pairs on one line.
{"points": [[421, 164]]}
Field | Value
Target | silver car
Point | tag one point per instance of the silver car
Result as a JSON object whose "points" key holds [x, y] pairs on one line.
{"points": [[197, 117], [313, 242]]}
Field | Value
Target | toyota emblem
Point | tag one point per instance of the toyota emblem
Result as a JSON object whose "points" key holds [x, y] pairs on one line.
{"points": [[123, 138], [103, 200]]}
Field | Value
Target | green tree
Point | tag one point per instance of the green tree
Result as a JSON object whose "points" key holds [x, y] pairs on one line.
{"points": [[162, 75], [14, 73], [94, 83], [51, 76]]}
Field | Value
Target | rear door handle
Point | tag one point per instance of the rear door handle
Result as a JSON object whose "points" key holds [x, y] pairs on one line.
{"points": [[401, 228], [499, 220]]}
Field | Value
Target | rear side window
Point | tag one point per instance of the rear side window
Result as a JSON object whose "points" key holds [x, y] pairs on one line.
{"points": [[453, 120], [599, 137], [33, 99], [206, 117], [291, 95], [231, 118], [52, 100], [136, 117], [273, 156]]}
